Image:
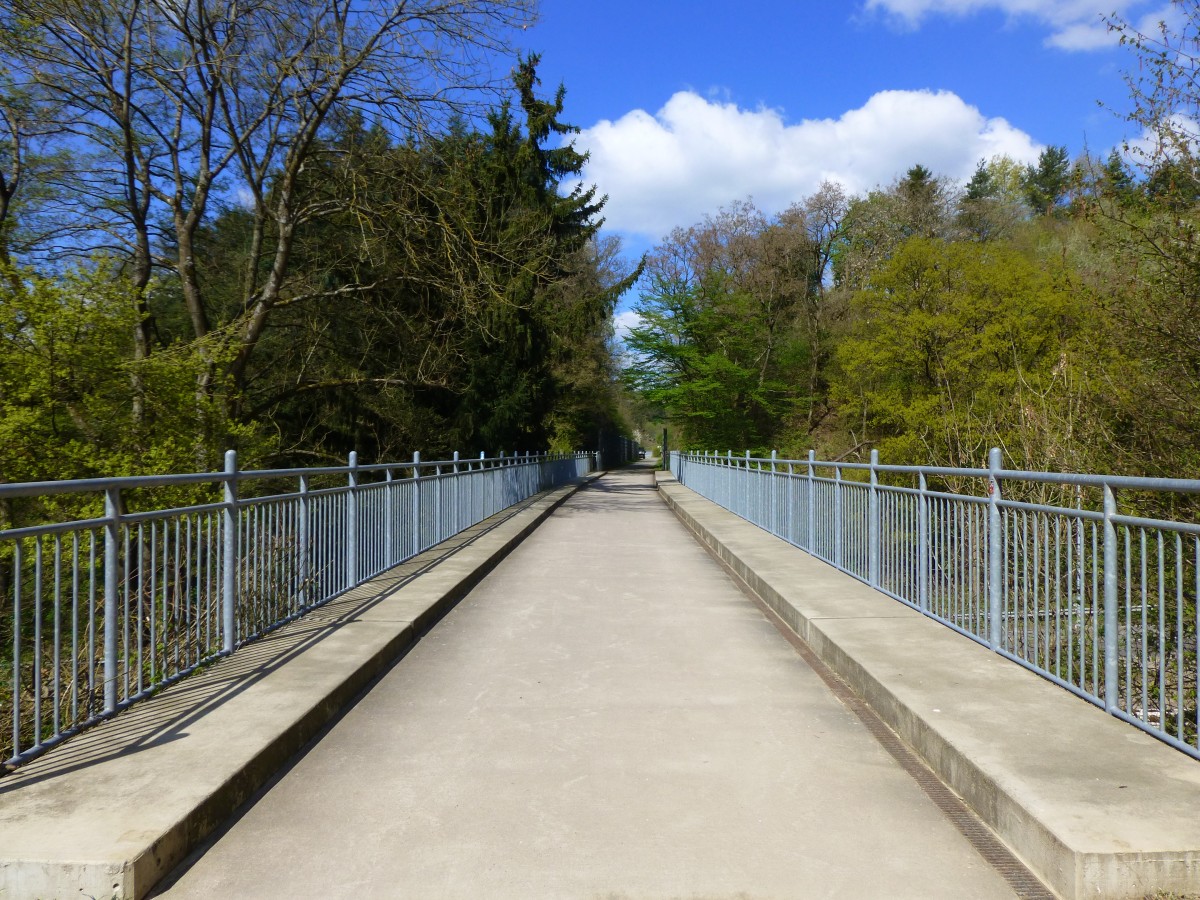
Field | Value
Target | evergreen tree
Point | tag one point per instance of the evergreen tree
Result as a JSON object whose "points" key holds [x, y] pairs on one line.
{"points": [[510, 391], [982, 185], [1047, 183]]}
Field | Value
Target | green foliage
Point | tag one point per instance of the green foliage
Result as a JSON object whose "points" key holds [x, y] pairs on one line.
{"points": [[982, 185], [919, 205], [950, 342], [992, 205], [691, 359], [721, 346], [456, 300], [66, 371], [1047, 183]]}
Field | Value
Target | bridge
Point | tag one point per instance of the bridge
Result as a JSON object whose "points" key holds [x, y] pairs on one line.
{"points": [[534, 677]]}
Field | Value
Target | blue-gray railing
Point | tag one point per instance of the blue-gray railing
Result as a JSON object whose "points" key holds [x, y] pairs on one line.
{"points": [[1044, 568], [106, 608]]}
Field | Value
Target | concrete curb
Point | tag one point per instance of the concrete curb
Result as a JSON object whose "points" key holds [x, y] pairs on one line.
{"points": [[113, 810], [1094, 807]]}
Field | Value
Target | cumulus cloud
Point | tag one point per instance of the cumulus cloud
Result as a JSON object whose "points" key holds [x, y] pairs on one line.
{"points": [[623, 321], [1073, 24], [696, 154], [1178, 133]]}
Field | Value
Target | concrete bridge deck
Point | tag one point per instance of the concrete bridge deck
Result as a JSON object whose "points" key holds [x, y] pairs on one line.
{"points": [[606, 715]]}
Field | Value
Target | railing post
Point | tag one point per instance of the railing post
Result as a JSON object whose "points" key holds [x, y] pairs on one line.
{"points": [[389, 538], [874, 524], [479, 495], [837, 516], [728, 482], [229, 558], [439, 505], [455, 491], [995, 551], [773, 497], [352, 523], [791, 507], [1110, 600], [748, 494], [302, 532], [112, 587], [416, 503], [922, 542], [811, 500]]}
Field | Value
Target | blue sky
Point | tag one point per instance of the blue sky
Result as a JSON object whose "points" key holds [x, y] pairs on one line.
{"points": [[687, 106]]}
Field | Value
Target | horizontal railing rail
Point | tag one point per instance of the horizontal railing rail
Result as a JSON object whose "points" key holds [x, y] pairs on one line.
{"points": [[150, 577], [1046, 569]]}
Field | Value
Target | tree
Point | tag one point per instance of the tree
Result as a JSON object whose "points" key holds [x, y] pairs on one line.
{"points": [[993, 204], [1047, 183], [821, 217], [721, 342], [64, 405], [537, 234], [951, 347], [920, 204], [479, 301], [1147, 271], [1116, 179], [171, 110]]}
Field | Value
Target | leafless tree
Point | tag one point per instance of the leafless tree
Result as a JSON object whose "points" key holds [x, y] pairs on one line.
{"points": [[173, 109]]}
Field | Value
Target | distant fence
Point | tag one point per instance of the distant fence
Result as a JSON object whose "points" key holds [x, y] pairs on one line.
{"points": [[98, 612], [1046, 569]]}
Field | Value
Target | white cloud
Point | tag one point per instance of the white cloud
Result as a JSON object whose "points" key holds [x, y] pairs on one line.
{"points": [[623, 321], [1073, 24], [1082, 36], [695, 155], [1179, 132]]}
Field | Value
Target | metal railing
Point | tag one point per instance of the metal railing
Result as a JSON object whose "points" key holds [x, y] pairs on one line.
{"points": [[100, 611], [1046, 569], [616, 450]]}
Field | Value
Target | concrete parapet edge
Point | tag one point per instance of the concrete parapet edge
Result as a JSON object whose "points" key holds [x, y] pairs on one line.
{"points": [[91, 820], [1094, 807]]}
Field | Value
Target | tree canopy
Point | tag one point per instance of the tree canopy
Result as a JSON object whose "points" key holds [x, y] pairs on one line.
{"points": [[296, 227]]}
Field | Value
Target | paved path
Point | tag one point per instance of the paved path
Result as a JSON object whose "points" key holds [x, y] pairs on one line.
{"points": [[605, 716]]}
